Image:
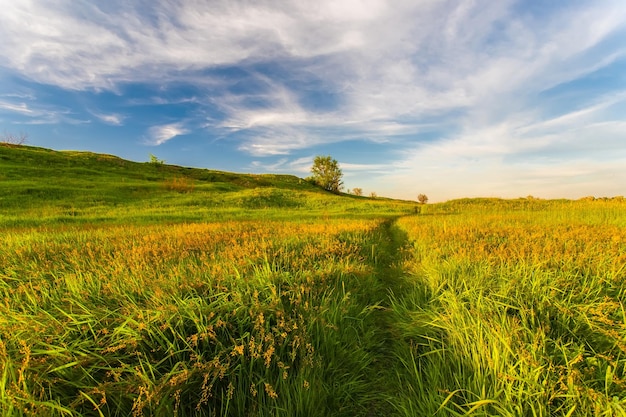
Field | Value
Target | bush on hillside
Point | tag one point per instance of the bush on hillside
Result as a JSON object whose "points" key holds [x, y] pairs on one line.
{"points": [[179, 184]]}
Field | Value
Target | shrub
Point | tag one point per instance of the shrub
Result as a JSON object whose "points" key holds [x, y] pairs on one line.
{"points": [[156, 161], [179, 184]]}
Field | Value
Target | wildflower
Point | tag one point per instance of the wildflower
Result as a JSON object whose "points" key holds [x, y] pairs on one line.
{"points": [[268, 356], [238, 350], [270, 391]]}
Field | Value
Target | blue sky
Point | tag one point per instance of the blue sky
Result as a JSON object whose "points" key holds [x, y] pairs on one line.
{"points": [[448, 98]]}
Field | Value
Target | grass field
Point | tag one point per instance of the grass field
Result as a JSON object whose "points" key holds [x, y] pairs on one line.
{"points": [[515, 312], [150, 290]]}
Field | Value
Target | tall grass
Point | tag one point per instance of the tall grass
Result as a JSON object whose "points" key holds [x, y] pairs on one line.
{"points": [[228, 318], [516, 313]]}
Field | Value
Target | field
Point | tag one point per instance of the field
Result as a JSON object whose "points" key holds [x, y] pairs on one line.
{"points": [[151, 290], [516, 310]]}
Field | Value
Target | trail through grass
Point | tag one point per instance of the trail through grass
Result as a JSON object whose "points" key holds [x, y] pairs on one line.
{"points": [[387, 257]]}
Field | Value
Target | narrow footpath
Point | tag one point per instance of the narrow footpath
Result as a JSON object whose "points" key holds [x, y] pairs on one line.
{"points": [[387, 260]]}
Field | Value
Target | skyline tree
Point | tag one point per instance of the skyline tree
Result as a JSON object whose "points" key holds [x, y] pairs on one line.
{"points": [[327, 173]]}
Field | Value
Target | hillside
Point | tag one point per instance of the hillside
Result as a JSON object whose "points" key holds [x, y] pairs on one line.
{"points": [[69, 186]]}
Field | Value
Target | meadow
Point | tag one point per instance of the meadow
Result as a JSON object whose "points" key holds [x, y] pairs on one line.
{"points": [[516, 309], [136, 289]]}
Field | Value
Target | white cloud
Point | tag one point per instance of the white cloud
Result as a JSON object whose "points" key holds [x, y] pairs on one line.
{"points": [[158, 135], [271, 142], [21, 108], [38, 114], [300, 166], [579, 117], [386, 58], [84, 45], [448, 178], [114, 119]]}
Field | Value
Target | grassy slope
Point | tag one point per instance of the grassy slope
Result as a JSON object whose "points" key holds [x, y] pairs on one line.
{"points": [[41, 186]]}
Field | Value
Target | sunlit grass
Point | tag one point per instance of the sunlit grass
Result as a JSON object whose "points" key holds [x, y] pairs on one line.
{"points": [[516, 313], [233, 318]]}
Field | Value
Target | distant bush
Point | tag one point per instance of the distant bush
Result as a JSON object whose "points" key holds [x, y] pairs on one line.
{"points": [[357, 191], [422, 198], [179, 184], [156, 161]]}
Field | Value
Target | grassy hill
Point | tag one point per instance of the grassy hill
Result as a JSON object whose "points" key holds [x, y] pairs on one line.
{"points": [[40, 186]]}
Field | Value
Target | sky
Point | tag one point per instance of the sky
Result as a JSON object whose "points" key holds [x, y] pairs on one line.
{"points": [[452, 99]]}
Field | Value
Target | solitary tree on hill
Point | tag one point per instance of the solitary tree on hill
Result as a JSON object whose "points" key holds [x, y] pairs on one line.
{"points": [[326, 173], [422, 198]]}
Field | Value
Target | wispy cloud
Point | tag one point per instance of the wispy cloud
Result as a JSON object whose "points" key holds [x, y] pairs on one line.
{"points": [[21, 108], [158, 135], [282, 141], [114, 119], [298, 165], [591, 112], [34, 113], [386, 59]]}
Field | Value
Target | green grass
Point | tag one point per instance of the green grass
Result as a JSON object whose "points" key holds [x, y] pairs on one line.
{"points": [[515, 312], [44, 187], [148, 289]]}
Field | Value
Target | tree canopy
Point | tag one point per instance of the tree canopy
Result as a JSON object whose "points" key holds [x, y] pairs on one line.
{"points": [[326, 173]]}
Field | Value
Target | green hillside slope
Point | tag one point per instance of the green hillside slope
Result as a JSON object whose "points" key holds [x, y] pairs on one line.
{"points": [[39, 185]]}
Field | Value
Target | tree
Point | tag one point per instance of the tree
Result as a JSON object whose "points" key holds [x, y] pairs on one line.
{"points": [[357, 191], [9, 139], [326, 173], [422, 198]]}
